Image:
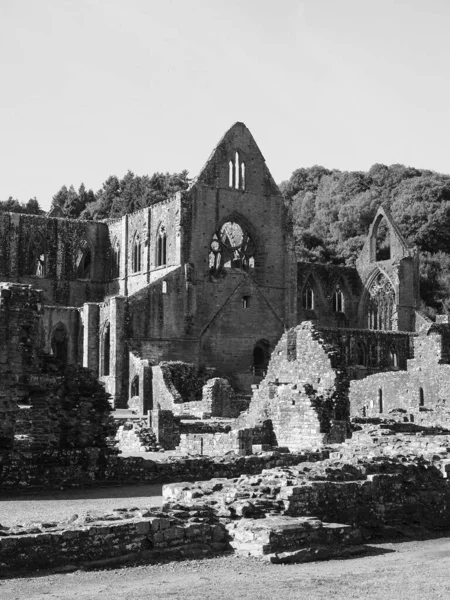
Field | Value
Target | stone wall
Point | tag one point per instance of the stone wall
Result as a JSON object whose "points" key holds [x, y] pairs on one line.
{"points": [[131, 535], [421, 393]]}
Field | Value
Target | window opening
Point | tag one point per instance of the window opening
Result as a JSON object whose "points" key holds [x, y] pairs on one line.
{"points": [[364, 411], [308, 298], [380, 400], [245, 301], [134, 391], [338, 300], [421, 397], [236, 173], [84, 261], [161, 248], [231, 248], [116, 260], [36, 256], [136, 256], [393, 356], [261, 358], [382, 241], [59, 343], [164, 287], [231, 174], [381, 304], [106, 350]]}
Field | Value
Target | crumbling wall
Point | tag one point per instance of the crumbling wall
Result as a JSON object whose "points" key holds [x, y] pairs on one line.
{"points": [[420, 394], [64, 406]]}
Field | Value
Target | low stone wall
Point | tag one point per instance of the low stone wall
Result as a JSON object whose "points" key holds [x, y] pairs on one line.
{"points": [[90, 467], [119, 536], [238, 441]]}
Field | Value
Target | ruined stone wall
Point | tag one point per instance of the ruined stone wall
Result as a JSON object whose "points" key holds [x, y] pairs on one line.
{"points": [[67, 407], [420, 394], [70, 319], [324, 280], [305, 392], [61, 243]]}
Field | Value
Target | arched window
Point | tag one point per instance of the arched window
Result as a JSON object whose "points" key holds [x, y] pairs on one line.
{"points": [[36, 256], [338, 300], [231, 248], [84, 261], [382, 240], [106, 351], [381, 304], [136, 254], [115, 260], [134, 389], [236, 172], [59, 342], [421, 397], [393, 356], [308, 297], [161, 247], [380, 400]]}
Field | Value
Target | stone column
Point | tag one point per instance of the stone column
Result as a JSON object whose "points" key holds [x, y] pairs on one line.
{"points": [[119, 354]]}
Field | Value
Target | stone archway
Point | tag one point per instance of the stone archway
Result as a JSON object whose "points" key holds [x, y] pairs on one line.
{"points": [[261, 358]]}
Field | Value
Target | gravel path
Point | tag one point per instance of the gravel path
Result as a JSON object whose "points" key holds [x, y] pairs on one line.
{"points": [[400, 571], [57, 506]]}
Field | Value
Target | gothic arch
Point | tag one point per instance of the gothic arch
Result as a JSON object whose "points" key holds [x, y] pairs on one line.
{"points": [[378, 304], [311, 297], [233, 245], [36, 255], [84, 262], [115, 259], [136, 253], [161, 246]]}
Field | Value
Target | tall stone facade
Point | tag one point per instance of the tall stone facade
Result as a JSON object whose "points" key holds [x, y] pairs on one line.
{"points": [[208, 277]]}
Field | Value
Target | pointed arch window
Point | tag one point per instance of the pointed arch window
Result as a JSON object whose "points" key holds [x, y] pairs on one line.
{"points": [[161, 247], [338, 300], [115, 260], [231, 248], [393, 356], [381, 304], [36, 256], [84, 261], [136, 257], [308, 297], [421, 397], [236, 172]]}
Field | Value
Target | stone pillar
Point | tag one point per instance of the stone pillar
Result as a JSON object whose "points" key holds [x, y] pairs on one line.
{"points": [[91, 336], [123, 280], [119, 354]]}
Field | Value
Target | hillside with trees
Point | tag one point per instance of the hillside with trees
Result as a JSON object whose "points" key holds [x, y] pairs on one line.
{"points": [[332, 212]]}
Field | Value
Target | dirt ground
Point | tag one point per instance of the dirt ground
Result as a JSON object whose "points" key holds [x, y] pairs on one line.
{"points": [[400, 571], [61, 505]]}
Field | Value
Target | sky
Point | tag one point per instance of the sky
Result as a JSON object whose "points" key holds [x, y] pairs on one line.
{"points": [[93, 88]]}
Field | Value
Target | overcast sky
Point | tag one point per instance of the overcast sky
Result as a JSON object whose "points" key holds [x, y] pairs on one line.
{"points": [[91, 88]]}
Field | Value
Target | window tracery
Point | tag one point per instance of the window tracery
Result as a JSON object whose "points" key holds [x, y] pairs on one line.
{"points": [[381, 304], [136, 255], [231, 248]]}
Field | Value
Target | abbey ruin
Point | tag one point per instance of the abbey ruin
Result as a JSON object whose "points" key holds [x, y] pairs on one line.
{"points": [[198, 327]]}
